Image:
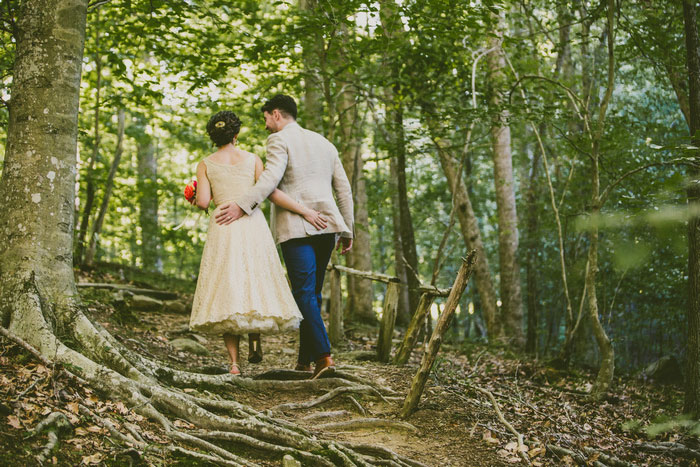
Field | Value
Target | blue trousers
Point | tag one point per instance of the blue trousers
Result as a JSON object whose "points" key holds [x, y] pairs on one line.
{"points": [[306, 260]]}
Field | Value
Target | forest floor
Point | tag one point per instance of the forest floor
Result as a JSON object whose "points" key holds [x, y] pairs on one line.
{"points": [[456, 423]]}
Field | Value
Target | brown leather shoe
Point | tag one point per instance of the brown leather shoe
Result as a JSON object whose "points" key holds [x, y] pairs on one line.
{"points": [[302, 367], [324, 366]]}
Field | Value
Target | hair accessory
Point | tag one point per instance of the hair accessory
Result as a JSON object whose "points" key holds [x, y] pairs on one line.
{"points": [[220, 124]]}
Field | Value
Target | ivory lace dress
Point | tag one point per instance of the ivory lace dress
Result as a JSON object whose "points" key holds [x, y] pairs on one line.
{"points": [[241, 286]]}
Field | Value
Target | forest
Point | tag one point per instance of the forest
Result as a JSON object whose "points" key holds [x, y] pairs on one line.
{"points": [[525, 177]]}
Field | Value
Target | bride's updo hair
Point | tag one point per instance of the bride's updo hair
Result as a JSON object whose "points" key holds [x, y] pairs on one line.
{"points": [[223, 127]]}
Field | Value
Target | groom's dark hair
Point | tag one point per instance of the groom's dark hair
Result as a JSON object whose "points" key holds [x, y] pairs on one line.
{"points": [[285, 104]]}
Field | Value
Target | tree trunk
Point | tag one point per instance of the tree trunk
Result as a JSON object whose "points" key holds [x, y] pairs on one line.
{"points": [[472, 239], [90, 181], [532, 247], [393, 29], [360, 257], [148, 204], [607, 355], [37, 289], [512, 313], [97, 225], [399, 264], [311, 115], [692, 385]]}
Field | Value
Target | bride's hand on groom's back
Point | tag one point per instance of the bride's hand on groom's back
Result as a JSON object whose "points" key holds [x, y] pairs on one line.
{"points": [[315, 218], [229, 213]]}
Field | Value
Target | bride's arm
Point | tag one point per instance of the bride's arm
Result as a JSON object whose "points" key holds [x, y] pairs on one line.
{"points": [[203, 186], [283, 200]]}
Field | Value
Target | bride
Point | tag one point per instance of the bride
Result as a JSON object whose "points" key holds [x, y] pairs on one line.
{"points": [[241, 288]]}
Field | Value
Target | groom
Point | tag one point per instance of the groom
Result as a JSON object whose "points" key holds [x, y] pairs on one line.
{"points": [[306, 166]]}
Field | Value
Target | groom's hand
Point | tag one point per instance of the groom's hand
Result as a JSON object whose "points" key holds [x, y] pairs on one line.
{"points": [[229, 213], [345, 243]]}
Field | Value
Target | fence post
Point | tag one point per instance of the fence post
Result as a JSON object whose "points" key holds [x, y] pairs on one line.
{"points": [[386, 330], [411, 336], [335, 321], [421, 376]]}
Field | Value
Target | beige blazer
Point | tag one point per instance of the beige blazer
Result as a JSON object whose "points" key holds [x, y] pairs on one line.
{"points": [[306, 166]]}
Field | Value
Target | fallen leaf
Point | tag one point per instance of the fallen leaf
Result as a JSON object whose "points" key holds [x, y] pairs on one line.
{"points": [[14, 422], [92, 460], [121, 408], [94, 429], [73, 407], [134, 417], [183, 424]]}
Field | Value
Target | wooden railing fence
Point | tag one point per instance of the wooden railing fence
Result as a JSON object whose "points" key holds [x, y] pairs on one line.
{"points": [[389, 307]]}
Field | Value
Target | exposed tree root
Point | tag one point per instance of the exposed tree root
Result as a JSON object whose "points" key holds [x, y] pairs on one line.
{"points": [[54, 424], [580, 459], [671, 447], [358, 405], [360, 423], [329, 414], [380, 451], [266, 447], [607, 458], [151, 389], [521, 449], [330, 395]]}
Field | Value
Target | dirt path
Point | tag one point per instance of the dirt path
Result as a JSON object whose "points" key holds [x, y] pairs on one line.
{"points": [[445, 433]]}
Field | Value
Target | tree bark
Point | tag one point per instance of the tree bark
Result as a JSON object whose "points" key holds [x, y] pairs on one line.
{"points": [[39, 176], [692, 385], [607, 355], [532, 247], [471, 234], [360, 257], [311, 114], [399, 265], [148, 204], [97, 225], [512, 312]]}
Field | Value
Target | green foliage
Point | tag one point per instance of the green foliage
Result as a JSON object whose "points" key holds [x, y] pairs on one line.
{"points": [[171, 65]]}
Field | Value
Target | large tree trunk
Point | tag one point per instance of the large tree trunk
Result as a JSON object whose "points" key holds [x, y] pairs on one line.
{"points": [[38, 182], [505, 199], [148, 204], [692, 385], [393, 29], [97, 225]]}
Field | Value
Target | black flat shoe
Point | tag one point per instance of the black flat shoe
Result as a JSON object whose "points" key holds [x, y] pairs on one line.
{"points": [[255, 354]]}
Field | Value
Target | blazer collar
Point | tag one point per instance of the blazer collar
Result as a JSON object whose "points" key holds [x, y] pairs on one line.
{"points": [[291, 125]]}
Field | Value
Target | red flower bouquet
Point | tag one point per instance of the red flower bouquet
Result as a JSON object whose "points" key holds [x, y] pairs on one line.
{"points": [[191, 192]]}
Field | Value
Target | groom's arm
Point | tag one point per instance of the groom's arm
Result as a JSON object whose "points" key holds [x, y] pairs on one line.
{"points": [[276, 164], [343, 194], [247, 203]]}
